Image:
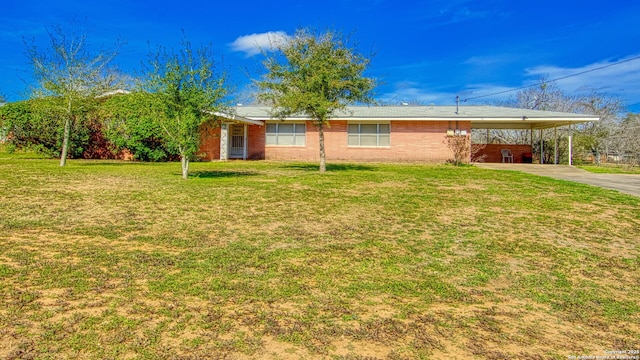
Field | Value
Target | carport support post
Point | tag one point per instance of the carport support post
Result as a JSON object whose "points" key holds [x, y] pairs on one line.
{"points": [[541, 148], [570, 147], [555, 145], [531, 142]]}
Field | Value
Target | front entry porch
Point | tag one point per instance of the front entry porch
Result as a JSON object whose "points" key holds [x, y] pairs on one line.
{"points": [[239, 139]]}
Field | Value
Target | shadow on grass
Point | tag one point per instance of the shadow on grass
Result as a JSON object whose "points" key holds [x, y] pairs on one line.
{"points": [[330, 167], [219, 174], [107, 162]]}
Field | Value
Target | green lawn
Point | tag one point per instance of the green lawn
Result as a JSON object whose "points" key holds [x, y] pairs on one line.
{"points": [[611, 169], [110, 260]]}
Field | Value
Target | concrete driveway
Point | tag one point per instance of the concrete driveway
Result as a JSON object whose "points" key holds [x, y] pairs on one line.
{"points": [[626, 183]]}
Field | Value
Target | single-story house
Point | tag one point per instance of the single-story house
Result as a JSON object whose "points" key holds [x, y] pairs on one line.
{"points": [[368, 133]]}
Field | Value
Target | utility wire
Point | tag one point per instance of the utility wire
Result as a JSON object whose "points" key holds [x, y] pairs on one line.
{"points": [[560, 78]]}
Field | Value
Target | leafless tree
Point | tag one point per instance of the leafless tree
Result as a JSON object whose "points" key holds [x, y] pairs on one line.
{"points": [[592, 137], [70, 75]]}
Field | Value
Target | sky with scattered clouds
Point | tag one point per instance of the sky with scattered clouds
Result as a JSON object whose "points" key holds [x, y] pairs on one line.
{"points": [[426, 52]]}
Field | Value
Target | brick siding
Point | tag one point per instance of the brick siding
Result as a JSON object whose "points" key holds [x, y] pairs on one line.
{"points": [[210, 145], [409, 141], [491, 152]]}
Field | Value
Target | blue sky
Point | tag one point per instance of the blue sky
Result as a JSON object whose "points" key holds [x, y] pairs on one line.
{"points": [[426, 51]]}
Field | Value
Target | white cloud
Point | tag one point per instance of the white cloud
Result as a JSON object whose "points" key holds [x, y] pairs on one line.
{"points": [[492, 60], [620, 77], [254, 43], [616, 77]]}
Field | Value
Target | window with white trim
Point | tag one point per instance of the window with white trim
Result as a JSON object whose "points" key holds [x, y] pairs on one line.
{"points": [[286, 134], [368, 134]]}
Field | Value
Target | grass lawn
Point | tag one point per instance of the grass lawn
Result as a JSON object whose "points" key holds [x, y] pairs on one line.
{"points": [[110, 260], [611, 169]]}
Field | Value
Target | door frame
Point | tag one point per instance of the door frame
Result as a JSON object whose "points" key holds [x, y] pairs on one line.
{"points": [[244, 142]]}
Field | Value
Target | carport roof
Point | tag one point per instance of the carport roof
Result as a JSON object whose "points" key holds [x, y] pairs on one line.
{"points": [[481, 117]]}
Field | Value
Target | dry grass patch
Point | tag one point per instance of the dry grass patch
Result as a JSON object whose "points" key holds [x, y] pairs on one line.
{"points": [[273, 260]]}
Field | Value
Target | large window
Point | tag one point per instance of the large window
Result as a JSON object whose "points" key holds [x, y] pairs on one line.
{"points": [[368, 135], [286, 134]]}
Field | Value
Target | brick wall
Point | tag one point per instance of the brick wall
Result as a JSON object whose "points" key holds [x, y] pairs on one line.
{"points": [[492, 154], [410, 141], [255, 148], [210, 145]]}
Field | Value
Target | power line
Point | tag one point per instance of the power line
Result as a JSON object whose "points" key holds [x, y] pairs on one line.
{"points": [[560, 78]]}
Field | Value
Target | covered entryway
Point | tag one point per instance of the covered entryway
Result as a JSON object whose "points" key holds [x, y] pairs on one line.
{"points": [[234, 136], [238, 141]]}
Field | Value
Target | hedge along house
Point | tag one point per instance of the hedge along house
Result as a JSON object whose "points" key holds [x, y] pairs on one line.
{"points": [[369, 133]]}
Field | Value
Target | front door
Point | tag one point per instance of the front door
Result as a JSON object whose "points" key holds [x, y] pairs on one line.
{"points": [[236, 145]]}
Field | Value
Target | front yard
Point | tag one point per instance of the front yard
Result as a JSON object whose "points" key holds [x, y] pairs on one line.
{"points": [[273, 260], [611, 169]]}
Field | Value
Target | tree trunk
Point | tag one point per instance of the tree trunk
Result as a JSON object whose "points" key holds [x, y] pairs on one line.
{"points": [[65, 141], [323, 164], [185, 166]]}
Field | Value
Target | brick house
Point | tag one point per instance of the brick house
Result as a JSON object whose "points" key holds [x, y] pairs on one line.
{"points": [[369, 133]]}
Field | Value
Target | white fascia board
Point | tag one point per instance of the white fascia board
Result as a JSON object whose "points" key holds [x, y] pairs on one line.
{"points": [[238, 118], [473, 119], [285, 119], [528, 123]]}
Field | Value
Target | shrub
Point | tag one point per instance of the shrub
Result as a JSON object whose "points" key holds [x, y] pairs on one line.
{"points": [[40, 131]]}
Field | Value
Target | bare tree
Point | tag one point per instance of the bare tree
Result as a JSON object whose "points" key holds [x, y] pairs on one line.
{"points": [[591, 137], [594, 136], [544, 96], [624, 140], [70, 75]]}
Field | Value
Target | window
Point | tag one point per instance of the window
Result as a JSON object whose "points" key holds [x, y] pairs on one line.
{"points": [[368, 134], [286, 134]]}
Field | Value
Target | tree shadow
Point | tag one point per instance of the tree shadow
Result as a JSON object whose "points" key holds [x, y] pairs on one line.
{"points": [[100, 162], [330, 167], [220, 174]]}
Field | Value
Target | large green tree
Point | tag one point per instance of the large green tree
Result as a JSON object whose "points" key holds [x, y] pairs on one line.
{"points": [[71, 76], [315, 75], [187, 89], [130, 124]]}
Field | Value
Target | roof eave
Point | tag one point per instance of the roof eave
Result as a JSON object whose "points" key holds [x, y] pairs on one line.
{"points": [[235, 117], [528, 123]]}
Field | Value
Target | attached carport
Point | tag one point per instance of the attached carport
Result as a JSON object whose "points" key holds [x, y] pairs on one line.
{"points": [[531, 120]]}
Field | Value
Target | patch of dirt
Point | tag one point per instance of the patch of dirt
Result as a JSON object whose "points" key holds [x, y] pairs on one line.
{"points": [[42, 241]]}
